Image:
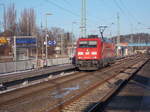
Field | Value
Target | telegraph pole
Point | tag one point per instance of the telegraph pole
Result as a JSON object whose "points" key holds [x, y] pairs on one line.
{"points": [[83, 19]]}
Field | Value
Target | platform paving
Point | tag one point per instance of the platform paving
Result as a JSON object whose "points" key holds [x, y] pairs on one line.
{"points": [[32, 73], [135, 96]]}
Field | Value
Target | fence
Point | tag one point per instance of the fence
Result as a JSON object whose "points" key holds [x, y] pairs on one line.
{"points": [[30, 64], [58, 61]]}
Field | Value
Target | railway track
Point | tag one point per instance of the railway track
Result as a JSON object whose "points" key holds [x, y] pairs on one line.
{"points": [[96, 98], [54, 94], [12, 80], [98, 93], [17, 84]]}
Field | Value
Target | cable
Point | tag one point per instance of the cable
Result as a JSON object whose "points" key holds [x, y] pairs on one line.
{"points": [[62, 8], [66, 10], [116, 3], [129, 13], [67, 2], [131, 16], [123, 12]]}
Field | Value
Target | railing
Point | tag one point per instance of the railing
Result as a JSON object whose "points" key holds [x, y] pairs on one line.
{"points": [[8, 67], [58, 61]]}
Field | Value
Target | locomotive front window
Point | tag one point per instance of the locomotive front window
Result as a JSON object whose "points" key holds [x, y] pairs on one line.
{"points": [[83, 44], [87, 44], [92, 44]]}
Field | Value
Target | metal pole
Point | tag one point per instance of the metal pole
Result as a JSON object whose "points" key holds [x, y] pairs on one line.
{"points": [[81, 27], [72, 47], [61, 45], [4, 22], [132, 37], [14, 48], [15, 53], [46, 38], [71, 42], [46, 42], [42, 40], [36, 52], [83, 19], [118, 38], [46, 48], [27, 26], [27, 54]]}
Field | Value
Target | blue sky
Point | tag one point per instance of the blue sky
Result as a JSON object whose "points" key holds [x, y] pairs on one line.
{"points": [[99, 12]]}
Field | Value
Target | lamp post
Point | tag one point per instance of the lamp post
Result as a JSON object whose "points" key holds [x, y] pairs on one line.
{"points": [[110, 28], [46, 49], [118, 34], [72, 40]]}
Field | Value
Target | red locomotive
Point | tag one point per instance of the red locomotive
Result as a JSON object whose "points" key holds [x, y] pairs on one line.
{"points": [[93, 53]]}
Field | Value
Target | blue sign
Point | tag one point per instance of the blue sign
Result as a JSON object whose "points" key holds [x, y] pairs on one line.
{"points": [[52, 42], [26, 46], [138, 44], [25, 40]]}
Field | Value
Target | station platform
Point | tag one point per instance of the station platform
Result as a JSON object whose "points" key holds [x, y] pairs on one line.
{"points": [[135, 96], [8, 77]]}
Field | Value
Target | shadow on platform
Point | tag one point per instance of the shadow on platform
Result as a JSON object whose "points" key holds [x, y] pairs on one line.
{"points": [[128, 102]]}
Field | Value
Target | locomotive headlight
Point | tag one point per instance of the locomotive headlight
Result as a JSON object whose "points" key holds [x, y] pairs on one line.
{"points": [[79, 57], [87, 53], [94, 53], [94, 57], [80, 53]]}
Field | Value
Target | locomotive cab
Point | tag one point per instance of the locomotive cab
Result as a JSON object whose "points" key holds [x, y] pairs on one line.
{"points": [[92, 53], [87, 53]]}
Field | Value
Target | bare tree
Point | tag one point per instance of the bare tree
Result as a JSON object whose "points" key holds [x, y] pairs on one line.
{"points": [[55, 31], [10, 19], [27, 22], [63, 39]]}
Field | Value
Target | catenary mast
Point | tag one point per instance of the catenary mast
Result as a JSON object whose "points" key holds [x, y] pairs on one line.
{"points": [[83, 19]]}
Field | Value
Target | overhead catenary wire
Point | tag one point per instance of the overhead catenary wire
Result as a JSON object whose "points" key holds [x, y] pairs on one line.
{"points": [[116, 3], [67, 10], [71, 12], [128, 12], [62, 8], [131, 14], [67, 2], [123, 11]]}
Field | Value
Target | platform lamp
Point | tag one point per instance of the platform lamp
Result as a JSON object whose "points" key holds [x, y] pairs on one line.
{"points": [[46, 36]]}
